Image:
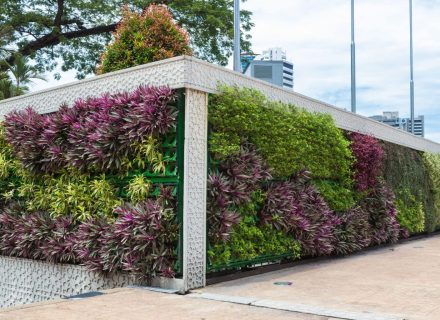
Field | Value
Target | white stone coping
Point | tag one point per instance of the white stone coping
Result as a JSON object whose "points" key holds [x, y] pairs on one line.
{"points": [[192, 73]]}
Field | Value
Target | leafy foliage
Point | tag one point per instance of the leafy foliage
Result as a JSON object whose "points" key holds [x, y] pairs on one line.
{"points": [[138, 189], [368, 164], [7, 88], [70, 194], [77, 32], [142, 38], [289, 139], [405, 169], [354, 232], [382, 213], [339, 197], [249, 241], [95, 135], [295, 207], [71, 172], [23, 73], [142, 239], [410, 213], [432, 165], [37, 236], [237, 178]]}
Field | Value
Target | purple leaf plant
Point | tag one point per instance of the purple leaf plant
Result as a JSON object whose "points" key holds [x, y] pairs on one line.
{"points": [[96, 133]]}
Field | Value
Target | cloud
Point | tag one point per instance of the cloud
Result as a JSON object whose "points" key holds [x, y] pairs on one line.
{"points": [[316, 35]]}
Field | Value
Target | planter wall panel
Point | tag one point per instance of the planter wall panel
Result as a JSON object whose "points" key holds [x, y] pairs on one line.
{"points": [[26, 281]]}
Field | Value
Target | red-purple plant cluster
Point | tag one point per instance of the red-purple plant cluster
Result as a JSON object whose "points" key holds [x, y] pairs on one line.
{"points": [[295, 207], [95, 133], [354, 232], [141, 240], [379, 205], [37, 236], [368, 155], [232, 185]]}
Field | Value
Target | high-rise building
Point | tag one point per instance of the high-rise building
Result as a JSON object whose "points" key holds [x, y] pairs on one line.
{"points": [[271, 66], [419, 125], [392, 118]]}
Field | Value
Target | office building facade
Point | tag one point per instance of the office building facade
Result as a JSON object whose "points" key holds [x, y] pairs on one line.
{"points": [[271, 66], [392, 119]]}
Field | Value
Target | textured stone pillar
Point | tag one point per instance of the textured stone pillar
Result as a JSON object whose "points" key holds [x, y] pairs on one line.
{"points": [[194, 194]]}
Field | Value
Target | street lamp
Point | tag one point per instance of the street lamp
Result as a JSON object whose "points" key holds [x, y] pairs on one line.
{"points": [[237, 50], [411, 83], [353, 62]]}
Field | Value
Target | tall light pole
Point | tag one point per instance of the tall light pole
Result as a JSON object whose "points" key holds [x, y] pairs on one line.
{"points": [[237, 48], [353, 62], [411, 82]]}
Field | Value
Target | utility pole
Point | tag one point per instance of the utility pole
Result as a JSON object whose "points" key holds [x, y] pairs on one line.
{"points": [[411, 83], [353, 62], [237, 49]]}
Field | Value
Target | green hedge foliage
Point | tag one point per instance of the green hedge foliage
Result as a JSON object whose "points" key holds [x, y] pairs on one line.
{"points": [[410, 212], [432, 163], [339, 197], [404, 170], [290, 139]]}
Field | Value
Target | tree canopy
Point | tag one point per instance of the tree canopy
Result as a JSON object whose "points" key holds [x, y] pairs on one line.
{"points": [[76, 31]]}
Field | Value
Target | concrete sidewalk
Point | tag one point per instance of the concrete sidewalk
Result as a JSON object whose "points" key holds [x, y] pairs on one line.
{"points": [[398, 282], [135, 304]]}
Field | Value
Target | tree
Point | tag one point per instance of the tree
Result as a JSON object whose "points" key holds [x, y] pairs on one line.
{"points": [[7, 89], [77, 31], [23, 72], [141, 38]]}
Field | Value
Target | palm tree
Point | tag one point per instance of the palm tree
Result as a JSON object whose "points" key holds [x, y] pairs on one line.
{"points": [[23, 73], [7, 88]]}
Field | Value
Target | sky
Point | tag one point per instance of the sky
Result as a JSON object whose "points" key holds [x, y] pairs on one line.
{"points": [[316, 35]]}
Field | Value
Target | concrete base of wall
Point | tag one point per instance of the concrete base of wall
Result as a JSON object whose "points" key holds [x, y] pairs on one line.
{"points": [[26, 281]]}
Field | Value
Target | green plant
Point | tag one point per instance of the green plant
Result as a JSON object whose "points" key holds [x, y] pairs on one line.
{"points": [[70, 193], [142, 38], [249, 241], [405, 168], [289, 138], [339, 198], [138, 189], [146, 156], [23, 73], [432, 164], [410, 213]]}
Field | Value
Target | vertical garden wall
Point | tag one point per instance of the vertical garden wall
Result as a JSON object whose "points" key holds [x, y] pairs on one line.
{"points": [[114, 173], [285, 183]]}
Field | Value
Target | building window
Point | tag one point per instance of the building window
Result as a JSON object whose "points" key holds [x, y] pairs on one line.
{"points": [[263, 72], [288, 66]]}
